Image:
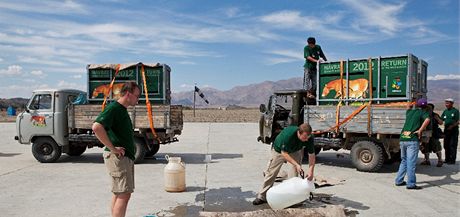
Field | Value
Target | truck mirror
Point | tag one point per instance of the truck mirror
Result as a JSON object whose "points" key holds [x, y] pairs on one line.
{"points": [[262, 108]]}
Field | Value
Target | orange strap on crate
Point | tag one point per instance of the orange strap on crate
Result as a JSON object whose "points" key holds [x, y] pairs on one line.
{"points": [[106, 93], [352, 115], [147, 103]]}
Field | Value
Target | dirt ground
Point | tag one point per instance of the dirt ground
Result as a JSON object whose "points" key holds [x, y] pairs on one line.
{"points": [[5, 118], [224, 116], [201, 115]]}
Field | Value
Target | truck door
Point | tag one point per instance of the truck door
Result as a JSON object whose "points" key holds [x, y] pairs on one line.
{"points": [[38, 119]]}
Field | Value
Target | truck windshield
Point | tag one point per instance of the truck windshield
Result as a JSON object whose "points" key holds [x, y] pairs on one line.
{"points": [[40, 101], [284, 101]]}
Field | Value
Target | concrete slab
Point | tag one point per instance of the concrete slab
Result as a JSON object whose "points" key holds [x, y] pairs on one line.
{"points": [[79, 186]]}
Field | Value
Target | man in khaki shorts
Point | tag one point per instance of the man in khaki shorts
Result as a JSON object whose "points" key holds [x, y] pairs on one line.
{"points": [[113, 128]]}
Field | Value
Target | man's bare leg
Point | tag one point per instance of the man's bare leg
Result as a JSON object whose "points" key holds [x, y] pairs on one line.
{"points": [[120, 204]]}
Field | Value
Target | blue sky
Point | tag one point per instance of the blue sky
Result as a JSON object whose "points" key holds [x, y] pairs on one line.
{"points": [[219, 44]]}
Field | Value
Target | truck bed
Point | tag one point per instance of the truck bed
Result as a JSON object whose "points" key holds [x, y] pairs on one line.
{"points": [[384, 120], [164, 116]]}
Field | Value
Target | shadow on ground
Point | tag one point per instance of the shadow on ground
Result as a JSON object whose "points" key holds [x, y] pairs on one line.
{"points": [[9, 154], [188, 158], [343, 160], [191, 158]]}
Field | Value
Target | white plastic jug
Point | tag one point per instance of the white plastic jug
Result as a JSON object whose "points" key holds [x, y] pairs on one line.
{"points": [[289, 192], [174, 174]]}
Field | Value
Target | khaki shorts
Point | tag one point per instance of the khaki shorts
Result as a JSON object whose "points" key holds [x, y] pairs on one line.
{"points": [[432, 146], [121, 171]]}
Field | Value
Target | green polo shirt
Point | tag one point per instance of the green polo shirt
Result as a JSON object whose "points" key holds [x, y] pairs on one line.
{"points": [[116, 122], [289, 142], [314, 52], [414, 120], [450, 116]]}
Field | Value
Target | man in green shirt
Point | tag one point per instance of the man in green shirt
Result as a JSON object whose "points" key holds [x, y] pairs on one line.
{"points": [[288, 146], [113, 128], [312, 54], [450, 116], [416, 122]]}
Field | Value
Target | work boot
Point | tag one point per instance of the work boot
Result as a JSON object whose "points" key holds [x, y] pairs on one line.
{"points": [[426, 162], [415, 187], [258, 201], [439, 163], [401, 184]]}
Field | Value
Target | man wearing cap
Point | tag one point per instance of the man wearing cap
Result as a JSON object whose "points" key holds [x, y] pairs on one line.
{"points": [[416, 122], [312, 54], [450, 116]]}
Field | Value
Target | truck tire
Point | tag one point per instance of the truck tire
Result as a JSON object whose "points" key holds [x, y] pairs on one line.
{"points": [[154, 148], [140, 150], [76, 150], [367, 156], [45, 150]]}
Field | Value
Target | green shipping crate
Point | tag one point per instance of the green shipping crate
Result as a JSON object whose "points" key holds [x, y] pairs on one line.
{"points": [[157, 80], [394, 79]]}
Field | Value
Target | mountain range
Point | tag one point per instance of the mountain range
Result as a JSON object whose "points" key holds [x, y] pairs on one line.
{"points": [[253, 95]]}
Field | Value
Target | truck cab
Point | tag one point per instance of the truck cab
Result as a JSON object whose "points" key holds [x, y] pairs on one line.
{"points": [[283, 109], [44, 122]]}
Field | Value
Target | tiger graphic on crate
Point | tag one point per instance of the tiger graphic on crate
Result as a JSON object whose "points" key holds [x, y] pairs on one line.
{"points": [[356, 88], [104, 89]]}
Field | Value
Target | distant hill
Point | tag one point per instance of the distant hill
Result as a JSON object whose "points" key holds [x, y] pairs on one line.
{"points": [[249, 96], [438, 90], [15, 102], [254, 94]]}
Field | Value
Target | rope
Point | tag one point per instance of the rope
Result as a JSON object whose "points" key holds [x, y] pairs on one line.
{"points": [[149, 107], [106, 94]]}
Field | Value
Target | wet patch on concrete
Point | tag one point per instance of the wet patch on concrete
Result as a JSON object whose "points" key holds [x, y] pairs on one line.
{"points": [[226, 201]]}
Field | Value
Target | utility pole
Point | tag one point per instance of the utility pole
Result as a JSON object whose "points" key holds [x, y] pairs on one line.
{"points": [[194, 98]]}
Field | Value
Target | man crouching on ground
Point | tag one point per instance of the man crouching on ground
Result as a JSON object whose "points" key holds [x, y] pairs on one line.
{"points": [[288, 146], [113, 128]]}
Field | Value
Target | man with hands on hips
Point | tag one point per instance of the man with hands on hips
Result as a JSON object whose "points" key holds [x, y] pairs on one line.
{"points": [[288, 146], [113, 128]]}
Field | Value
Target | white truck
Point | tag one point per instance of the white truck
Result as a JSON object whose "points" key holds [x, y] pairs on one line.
{"points": [[54, 124]]}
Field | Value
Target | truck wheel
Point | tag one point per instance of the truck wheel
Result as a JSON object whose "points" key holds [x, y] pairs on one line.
{"points": [[367, 156], [46, 150], [153, 149], [140, 150], [76, 150]]}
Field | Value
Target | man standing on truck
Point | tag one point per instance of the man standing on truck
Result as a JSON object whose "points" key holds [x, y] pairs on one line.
{"points": [[288, 146], [113, 128], [450, 116], [312, 54], [416, 122]]}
